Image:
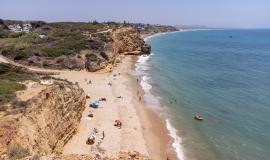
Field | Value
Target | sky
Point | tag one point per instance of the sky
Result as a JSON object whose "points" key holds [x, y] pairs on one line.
{"points": [[212, 13]]}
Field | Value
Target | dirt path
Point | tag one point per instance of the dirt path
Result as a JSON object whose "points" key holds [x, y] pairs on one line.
{"points": [[3, 59]]}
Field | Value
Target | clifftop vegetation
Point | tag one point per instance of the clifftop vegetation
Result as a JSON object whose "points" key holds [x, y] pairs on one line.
{"points": [[66, 44], [10, 78]]}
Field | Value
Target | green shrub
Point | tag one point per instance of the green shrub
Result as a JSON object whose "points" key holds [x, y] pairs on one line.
{"points": [[91, 57], [8, 89], [15, 35], [104, 55], [37, 24], [22, 45], [7, 51], [72, 44], [52, 52], [95, 45], [4, 33], [105, 38], [9, 78], [30, 38], [20, 54], [12, 73]]}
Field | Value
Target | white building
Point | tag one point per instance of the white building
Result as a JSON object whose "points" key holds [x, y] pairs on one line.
{"points": [[26, 27]]}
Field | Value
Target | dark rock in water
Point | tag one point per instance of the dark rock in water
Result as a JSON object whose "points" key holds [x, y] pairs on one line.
{"points": [[146, 49]]}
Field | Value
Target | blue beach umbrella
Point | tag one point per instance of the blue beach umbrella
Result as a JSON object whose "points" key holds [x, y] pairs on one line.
{"points": [[94, 104]]}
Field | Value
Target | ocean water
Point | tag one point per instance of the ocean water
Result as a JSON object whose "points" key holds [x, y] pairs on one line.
{"points": [[223, 75]]}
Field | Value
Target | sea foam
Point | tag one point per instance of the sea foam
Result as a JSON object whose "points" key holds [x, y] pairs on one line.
{"points": [[142, 66], [176, 140]]}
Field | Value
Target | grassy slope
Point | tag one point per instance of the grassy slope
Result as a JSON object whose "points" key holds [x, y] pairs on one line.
{"points": [[10, 76], [62, 38]]}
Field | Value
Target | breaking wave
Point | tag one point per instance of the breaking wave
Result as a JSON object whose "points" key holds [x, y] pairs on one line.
{"points": [[141, 70]]}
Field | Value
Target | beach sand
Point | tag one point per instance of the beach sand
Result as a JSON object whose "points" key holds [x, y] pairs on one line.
{"points": [[142, 129]]}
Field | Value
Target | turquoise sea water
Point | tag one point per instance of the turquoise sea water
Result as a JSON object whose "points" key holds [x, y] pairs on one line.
{"points": [[223, 75]]}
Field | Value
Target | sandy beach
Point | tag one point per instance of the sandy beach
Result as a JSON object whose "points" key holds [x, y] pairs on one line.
{"points": [[141, 131]]}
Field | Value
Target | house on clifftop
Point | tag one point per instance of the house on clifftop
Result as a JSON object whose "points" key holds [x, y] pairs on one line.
{"points": [[26, 27]]}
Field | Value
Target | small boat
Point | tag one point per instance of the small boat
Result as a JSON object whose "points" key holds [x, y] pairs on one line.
{"points": [[198, 117]]}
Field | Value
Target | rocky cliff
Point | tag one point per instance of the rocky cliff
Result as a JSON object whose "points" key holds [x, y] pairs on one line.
{"points": [[128, 41], [124, 41], [50, 119]]}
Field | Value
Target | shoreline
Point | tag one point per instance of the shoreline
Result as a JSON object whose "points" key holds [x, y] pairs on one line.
{"points": [[142, 129], [175, 143], [155, 132]]}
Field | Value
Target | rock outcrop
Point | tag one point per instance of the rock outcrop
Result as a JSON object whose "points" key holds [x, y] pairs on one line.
{"points": [[125, 41], [128, 41], [49, 120]]}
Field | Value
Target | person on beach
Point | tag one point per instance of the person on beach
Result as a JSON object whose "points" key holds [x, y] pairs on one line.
{"points": [[103, 135], [140, 98]]}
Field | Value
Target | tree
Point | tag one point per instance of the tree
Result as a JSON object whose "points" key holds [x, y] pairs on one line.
{"points": [[95, 22]]}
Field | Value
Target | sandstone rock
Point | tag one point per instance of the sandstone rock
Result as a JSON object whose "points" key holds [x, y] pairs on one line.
{"points": [[93, 66], [51, 119], [128, 41], [48, 121]]}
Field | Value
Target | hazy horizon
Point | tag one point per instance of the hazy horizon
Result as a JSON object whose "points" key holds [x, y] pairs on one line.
{"points": [[222, 14]]}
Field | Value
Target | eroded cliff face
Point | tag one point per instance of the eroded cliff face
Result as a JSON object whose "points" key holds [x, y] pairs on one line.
{"points": [[124, 41], [50, 119], [128, 41]]}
